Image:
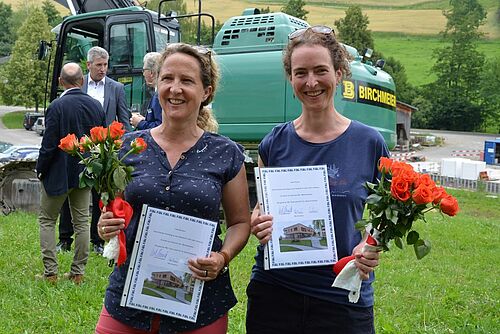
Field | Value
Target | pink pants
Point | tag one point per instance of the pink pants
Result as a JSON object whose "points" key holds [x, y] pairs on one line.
{"points": [[107, 325]]}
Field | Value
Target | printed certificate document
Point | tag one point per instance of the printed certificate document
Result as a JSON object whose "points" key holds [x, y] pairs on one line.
{"points": [[159, 279], [299, 200]]}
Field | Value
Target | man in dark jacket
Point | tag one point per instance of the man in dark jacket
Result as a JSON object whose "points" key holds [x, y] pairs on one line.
{"points": [[111, 95], [73, 112]]}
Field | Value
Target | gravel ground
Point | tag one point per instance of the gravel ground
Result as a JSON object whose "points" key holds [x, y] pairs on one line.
{"points": [[17, 136]]}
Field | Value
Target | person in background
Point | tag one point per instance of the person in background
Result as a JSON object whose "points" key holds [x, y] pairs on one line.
{"points": [[73, 112], [153, 108], [111, 96], [302, 300], [188, 169]]}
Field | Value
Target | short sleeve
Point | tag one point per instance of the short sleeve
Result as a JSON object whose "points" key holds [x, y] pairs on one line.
{"points": [[237, 158]]}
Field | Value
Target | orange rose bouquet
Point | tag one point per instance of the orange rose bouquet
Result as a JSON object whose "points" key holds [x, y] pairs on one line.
{"points": [[107, 174], [401, 197]]}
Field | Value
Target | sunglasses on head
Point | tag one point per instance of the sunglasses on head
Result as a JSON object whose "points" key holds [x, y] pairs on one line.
{"points": [[316, 29], [202, 50]]}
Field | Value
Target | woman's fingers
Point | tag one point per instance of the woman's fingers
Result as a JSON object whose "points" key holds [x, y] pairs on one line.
{"points": [[108, 226], [262, 228], [205, 269]]}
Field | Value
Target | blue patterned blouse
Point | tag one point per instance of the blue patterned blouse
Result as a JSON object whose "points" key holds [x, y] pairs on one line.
{"points": [[192, 187]]}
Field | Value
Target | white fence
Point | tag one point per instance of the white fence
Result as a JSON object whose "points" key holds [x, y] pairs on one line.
{"points": [[454, 182]]}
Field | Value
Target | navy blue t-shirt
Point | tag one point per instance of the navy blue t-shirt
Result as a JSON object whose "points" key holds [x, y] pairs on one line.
{"points": [[352, 160], [192, 187]]}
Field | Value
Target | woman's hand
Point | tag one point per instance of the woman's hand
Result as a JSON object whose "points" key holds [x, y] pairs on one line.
{"points": [[366, 260], [108, 227], [207, 268], [261, 226]]}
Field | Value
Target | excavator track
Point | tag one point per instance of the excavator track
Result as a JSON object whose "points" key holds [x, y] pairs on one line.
{"points": [[19, 186]]}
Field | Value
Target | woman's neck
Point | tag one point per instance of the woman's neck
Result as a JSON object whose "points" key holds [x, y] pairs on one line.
{"points": [[321, 126]]}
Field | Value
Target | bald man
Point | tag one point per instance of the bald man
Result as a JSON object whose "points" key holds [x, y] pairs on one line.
{"points": [[73, 112]]}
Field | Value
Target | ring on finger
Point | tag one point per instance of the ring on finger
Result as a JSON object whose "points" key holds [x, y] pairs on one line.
{"points": [[103, 229], [206, 273]]}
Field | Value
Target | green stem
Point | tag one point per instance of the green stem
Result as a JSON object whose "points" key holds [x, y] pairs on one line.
{"points": [[126, 154]]}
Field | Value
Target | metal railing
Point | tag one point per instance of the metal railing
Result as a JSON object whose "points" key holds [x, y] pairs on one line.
{"points": [[476, 185]]}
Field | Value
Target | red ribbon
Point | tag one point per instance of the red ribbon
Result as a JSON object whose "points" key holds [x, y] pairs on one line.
{"points": [[120, 209], [337, 267]]}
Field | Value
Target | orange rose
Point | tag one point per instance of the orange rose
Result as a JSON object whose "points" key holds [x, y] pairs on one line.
{"points": [[85, 144], [399, 168], [69, 144], [118, 143], [439, 193], [116, 130], [422, 195], [408, 174], [425, 179], [98, 134], [400, 189], [384, 165], [449, 205], [138, 145]]}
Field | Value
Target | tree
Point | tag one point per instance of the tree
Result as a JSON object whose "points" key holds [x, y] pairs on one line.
{"points": [[405, 92], [490, 96], [24, 75], [6, 35], [455, 94], [50, 10], [353, 29], [419, 118], [265, 10], [295, 8]]}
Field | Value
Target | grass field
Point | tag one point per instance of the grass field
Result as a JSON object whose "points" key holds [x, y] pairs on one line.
{"points": [[13, 120], [452, 290], [415, 52]]}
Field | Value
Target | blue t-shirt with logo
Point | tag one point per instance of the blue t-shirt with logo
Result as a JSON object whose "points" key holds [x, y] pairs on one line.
{"points": [[352, 160]]}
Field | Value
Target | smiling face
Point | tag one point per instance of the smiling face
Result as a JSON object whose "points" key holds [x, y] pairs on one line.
{"points": [[180, 89], [313, 77]]}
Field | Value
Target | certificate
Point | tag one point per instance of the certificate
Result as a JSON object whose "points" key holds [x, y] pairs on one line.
{"points": [[158, 278], [298, 198]]}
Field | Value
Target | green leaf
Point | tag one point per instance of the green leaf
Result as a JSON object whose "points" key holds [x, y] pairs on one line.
{"points": [[105, 198], [370, 185], [373, 199], [361, 224], [96, 167], [129, 169], [398, 242], [422, 248], [120, 177], [412, 237]]}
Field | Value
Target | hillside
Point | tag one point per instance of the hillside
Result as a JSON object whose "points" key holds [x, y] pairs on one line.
{"points": [[405, 29], [415, 17]]}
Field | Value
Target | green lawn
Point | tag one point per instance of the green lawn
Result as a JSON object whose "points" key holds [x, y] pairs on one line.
{"points": [[452, 290], [13, 120], [415, 53]]}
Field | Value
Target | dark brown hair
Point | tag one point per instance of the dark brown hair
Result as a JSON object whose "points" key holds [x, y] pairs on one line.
{"points": [[338, 54]]}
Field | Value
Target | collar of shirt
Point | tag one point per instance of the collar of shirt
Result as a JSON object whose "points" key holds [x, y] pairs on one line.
{"points": [[97, 83], [67, 90]]}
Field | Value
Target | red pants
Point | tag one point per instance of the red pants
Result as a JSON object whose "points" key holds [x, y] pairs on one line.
{"points": [[107, 325]]}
